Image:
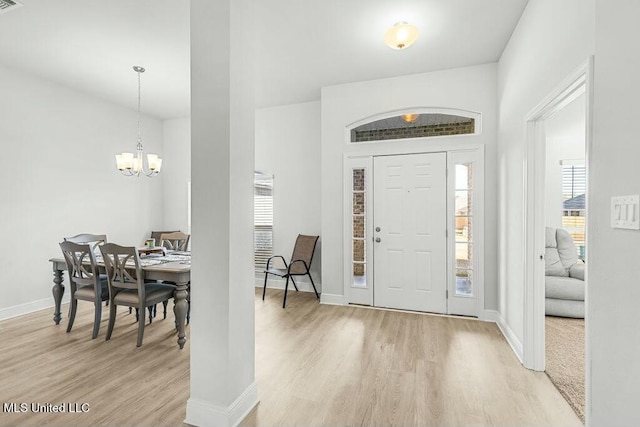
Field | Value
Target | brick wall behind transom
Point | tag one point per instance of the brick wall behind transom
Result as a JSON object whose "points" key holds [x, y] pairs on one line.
{"points": [[414, 132]]}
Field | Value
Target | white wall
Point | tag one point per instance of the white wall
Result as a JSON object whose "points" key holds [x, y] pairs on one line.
{"points": [[612, 265], [565, 140], [288, 147], [58, 178], [470, 88], [176, 171], [551, 40]]}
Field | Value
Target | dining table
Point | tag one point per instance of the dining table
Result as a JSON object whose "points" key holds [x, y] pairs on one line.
{"points": [[170, 266]]}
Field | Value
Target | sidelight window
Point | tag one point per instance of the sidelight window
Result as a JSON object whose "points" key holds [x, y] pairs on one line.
{"points": [[464, 242], [358, 221]]}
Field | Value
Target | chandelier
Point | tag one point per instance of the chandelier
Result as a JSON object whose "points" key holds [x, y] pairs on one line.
{"points": [[132, 164]]}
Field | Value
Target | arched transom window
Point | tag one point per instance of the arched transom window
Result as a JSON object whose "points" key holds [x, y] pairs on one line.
{"points": [[413, 125]]}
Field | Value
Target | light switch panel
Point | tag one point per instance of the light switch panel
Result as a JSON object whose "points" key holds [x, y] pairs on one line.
{"points": [[625, 211]]}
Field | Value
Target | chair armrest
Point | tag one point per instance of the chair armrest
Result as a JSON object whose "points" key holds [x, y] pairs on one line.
{"points": [[577, 271], [295, 261], [276, 256]]}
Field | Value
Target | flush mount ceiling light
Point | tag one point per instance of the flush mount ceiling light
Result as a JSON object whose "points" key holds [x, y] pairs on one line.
{"points": [[130, 164], [410, 118], [401, 35]]}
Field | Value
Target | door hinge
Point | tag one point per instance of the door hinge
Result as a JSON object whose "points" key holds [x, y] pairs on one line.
{"points": [[446, 233], [447, 292]]}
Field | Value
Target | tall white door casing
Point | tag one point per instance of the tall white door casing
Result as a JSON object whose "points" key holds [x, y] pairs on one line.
{"points": [[410, 223]]}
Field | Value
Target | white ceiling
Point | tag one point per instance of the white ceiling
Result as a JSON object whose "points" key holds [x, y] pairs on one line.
{"points": [[92, 46], [301, 45]]}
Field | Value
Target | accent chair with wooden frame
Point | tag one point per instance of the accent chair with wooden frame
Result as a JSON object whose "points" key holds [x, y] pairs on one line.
{"points": [[85, 281], [127, 286], [299, 265]]}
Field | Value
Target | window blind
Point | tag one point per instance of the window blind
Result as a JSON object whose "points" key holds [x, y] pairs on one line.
{"points": [[574, 188], [574, 181], [263, 220]]}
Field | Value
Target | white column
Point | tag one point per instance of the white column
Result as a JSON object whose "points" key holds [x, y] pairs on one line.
{"points": [[613, 292], [222, 343]]}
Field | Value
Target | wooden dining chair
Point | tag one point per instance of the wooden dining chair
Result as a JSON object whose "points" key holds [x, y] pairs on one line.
{"points": [[127, 286], [299, 265], [84, 280], [176, 241], [155, 235], [92, 239]]}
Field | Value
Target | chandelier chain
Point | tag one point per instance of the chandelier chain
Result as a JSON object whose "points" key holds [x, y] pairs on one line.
{"points": [[139, 122]]}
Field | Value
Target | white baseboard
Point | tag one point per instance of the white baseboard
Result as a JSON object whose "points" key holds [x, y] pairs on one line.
{"points": [[508, 334], [489, 316], [204, 414], [331, 299], [275, 282], [30, 307]]}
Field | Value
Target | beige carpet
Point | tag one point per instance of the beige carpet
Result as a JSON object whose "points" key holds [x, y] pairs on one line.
{"points": [[565, 359]]}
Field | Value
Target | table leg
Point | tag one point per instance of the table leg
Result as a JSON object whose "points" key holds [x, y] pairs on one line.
{"points": [[58, 292], [180, 310]]}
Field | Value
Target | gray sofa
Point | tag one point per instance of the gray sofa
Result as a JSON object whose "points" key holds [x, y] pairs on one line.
{"points": [[564, 275]]}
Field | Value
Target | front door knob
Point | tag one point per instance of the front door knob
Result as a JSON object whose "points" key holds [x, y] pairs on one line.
{"points": [[378, 240], [377, 228]]}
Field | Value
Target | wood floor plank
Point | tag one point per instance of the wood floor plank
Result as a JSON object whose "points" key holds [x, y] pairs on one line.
{"points": [[315, 365], [45, 364]]}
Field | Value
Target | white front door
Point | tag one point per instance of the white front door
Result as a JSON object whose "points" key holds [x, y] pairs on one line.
{"points": [[410, 222]]}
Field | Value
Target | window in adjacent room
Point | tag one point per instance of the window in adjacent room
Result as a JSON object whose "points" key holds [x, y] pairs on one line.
{"points": [[263, 219], [574, 188]]}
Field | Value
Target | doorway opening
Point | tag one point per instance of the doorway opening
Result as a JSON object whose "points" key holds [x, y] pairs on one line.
{"points": [[415, 176], [544, 257], [565, 250]]}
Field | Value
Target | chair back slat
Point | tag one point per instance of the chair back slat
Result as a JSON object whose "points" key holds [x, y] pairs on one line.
{"points": [[123, 268], [81, 264], [177, 241]]}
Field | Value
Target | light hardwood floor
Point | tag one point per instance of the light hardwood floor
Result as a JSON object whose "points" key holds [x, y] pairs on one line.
{"points": [[124, 385], [315, 365]]}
